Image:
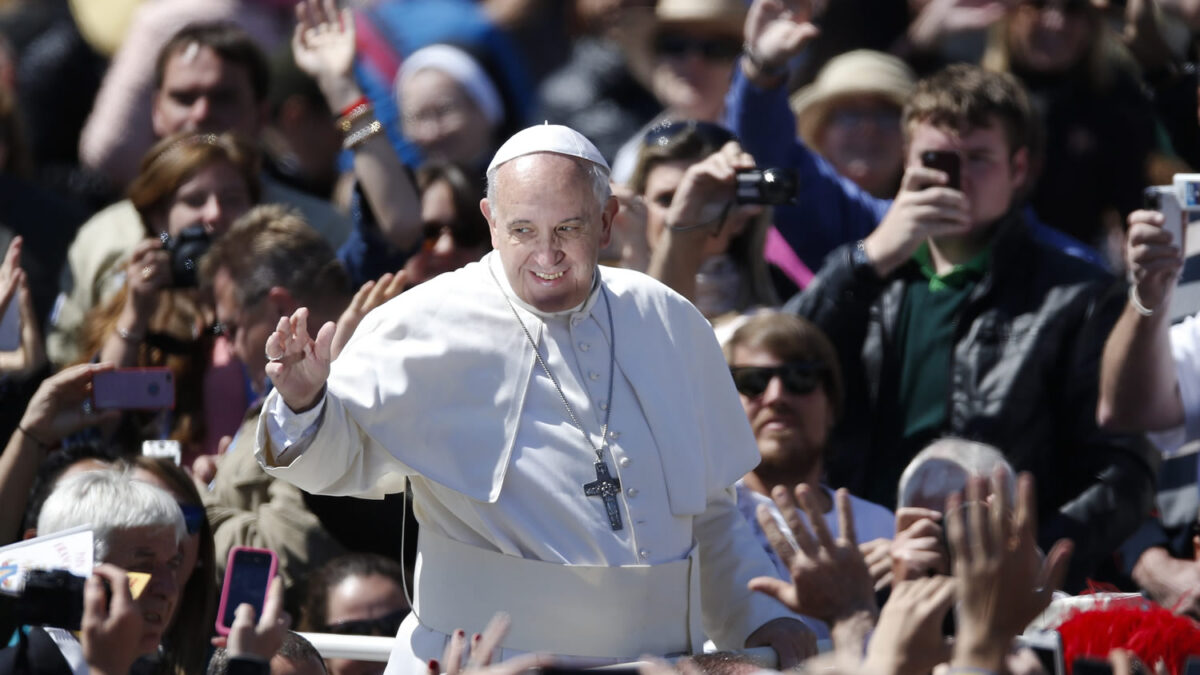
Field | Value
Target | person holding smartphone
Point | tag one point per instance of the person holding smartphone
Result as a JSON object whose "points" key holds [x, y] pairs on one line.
{"points": [[954, 316]]}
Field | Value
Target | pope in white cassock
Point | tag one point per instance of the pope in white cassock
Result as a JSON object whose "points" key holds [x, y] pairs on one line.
{"points": [[571, 433]]}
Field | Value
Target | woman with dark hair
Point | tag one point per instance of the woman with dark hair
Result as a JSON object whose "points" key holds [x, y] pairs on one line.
{"points": [[716, 262], [186, 640], [356, 594], [191, 188]]}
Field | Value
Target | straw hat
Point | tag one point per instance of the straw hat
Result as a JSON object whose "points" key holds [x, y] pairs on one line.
{"points": [[724, 15], [857, 73]]}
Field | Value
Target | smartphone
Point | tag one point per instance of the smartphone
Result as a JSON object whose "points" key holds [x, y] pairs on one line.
{"points": [[10, 326], [134, 389], [248, 574], [1047, 645], [1162, 198], [55, 597], [946, 161]]}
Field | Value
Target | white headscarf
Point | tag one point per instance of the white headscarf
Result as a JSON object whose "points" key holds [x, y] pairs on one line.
{"points": [[465, 70]]}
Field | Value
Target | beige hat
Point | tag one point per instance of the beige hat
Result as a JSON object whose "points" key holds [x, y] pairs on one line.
{"points": [[856, 73], [725, 15]]}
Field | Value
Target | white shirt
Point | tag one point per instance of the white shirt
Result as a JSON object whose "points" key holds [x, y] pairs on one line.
{"points": [[1185, 349]]}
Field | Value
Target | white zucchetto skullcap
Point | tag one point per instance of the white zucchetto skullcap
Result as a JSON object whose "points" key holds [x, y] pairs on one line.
{"points": [[548, 138], [464, 69]]}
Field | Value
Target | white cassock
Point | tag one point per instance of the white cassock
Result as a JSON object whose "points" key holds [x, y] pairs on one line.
{"points": [[441, 385]]}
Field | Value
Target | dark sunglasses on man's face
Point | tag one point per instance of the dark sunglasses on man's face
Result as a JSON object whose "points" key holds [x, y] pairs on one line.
{"points": [[800, 377], [382, 626], [711, 48]]}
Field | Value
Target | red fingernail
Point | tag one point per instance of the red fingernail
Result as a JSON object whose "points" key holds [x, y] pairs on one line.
{"points": [[461, 633], [433, 665]]}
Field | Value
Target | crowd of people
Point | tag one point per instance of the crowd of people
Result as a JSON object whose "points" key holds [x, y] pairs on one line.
{"points": [[456, 302]]}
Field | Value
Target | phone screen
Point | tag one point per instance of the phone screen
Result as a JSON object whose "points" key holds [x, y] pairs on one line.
{"points": [[10, 326], [246, 579], [944, 160]]}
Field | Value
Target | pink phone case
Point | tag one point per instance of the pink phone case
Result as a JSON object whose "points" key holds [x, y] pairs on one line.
{"points": [[134, 389], [248, 575]]}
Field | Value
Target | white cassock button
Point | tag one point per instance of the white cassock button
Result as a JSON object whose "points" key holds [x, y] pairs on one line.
{"points": [[632, 492], [644, 554], [625, 461], [594, 375], [583, 346]]}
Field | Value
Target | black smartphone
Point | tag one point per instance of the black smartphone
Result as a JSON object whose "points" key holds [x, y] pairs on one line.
{"points": [[946, 161]]}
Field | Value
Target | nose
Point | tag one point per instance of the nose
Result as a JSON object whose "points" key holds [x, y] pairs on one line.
{"points": [[774, 389], [443, 246], [200, 112], [211, 215]]}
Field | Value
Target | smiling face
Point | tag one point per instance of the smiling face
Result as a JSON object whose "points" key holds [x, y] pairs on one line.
{"points": [[152, 550], [991, 173], [548, 229], [214, 196], [439, 116]]}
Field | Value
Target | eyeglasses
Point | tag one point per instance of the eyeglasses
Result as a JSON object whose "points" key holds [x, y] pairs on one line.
{"points": [[666, 132], [712, 48], [799, 377], [382, 626], [193, 517]]}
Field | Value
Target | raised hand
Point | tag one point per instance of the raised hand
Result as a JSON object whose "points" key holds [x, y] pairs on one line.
{"points": [[920, 544], [939, 18], [147, 272], [923, 208], [110, 629], [56, 409], [481, 652], [297, 364], [11, 274], [908, 638], [255, 636], [777, 30], [371, 295], [1153, 260], [30, 354], [830, 580], [323, 47], [1003, 581]]}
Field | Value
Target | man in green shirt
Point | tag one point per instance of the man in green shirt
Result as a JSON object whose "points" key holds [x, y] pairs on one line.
{"points": [[951, 318]]}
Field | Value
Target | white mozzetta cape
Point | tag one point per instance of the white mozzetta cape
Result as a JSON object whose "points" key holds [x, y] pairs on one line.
{"points": [[434, 383]]}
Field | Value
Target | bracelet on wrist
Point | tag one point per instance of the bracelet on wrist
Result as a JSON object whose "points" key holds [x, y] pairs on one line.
{"points": [[360, 136], [129, 336], [36, 441], [346, 122], [358, 102], [1137, 302], [768, 71]]}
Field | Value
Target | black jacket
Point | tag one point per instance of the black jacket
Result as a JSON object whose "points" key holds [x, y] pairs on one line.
{"points": [[1024, 378]]}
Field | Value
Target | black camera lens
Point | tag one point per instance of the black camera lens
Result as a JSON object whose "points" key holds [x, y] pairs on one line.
{"points": [[766, 186], [185, 250]]}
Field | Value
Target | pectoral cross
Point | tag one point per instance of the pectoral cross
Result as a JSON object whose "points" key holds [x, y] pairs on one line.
{"points": [[607, 487]]}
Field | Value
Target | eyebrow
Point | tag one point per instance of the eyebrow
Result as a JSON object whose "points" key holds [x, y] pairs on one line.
{"points": [[526, 221]]}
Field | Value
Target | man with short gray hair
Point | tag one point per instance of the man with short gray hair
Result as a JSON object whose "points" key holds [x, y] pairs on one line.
{"points": [[570, 432]]}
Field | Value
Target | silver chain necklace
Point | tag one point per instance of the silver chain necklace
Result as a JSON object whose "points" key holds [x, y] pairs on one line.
{"points": [[605, 486]]}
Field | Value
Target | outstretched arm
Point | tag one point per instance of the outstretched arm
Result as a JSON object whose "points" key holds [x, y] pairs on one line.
{"points": [[1139, 389], [323, 46]]}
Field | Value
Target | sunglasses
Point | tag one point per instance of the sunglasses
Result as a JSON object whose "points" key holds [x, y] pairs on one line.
{"points": [[799, 377], [666, 132], [383, 626], [463, 237], [712, 49], [193, 517]]}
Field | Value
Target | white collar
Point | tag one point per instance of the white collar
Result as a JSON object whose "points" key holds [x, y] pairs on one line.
{"points": [[492, 259]]}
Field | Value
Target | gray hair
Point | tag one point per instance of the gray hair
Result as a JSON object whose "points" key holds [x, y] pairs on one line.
{"points": [[107, 501], [945, 465], [596, 173]]}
